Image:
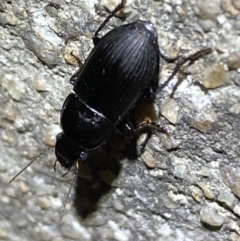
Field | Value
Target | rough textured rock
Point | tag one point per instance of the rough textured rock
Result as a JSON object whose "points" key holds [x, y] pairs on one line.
{"points": [[184, 187]]}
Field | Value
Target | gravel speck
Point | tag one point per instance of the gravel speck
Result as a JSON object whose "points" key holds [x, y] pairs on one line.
{"points": [[210, 216]]}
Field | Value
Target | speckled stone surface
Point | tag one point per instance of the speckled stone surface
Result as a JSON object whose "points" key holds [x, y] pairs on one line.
{"points": [[182, 187]]}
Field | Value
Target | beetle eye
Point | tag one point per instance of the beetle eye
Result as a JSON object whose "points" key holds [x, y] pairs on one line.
{"points": [[83, 155]]}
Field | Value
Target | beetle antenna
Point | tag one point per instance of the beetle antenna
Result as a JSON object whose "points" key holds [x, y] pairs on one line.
{"points": [[118, 8], [73, 182], [192, 58], [29, 164]]}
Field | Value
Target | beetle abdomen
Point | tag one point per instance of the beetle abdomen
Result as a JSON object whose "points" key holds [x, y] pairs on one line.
{"points": [[119, 68]]}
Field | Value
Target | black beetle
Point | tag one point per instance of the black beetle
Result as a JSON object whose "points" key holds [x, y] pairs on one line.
{"points": [[120, 69]]}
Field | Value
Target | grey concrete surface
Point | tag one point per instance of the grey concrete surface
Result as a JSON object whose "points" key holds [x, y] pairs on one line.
{"points": [[181, 188]]}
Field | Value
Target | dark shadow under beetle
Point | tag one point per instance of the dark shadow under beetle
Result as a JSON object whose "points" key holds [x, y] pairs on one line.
{"points": [[101, 169]]}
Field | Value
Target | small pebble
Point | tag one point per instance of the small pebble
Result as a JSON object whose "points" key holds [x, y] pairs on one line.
{"points": [[231, 177], [197, 194], [10, 112], [50, 133], [206, 9], [204, 119], [170, 109], [215, 76], [8, 18], [46, 233], [19, 219], [43, 202], [234, 60], [226, 197], [40, 81], [236, 4], [15, 87], [234, 226], [71, 55], [206, 190], [149, 160], [10, 191], [209, 215], [97, 221], [231, 6], [74, 230], [236, 210], [205, 171], [180, 171], [3, 233], [235, 109], [23, 187], [171, 142]]}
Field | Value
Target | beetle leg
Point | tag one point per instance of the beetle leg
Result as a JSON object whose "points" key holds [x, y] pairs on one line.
{"points": [[147, 123], [118, 8], [192, 58], [126, 127], [55, 165], [77, 58], [66, 172]]}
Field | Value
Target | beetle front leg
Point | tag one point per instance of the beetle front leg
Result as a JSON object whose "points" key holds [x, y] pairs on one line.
{"points": [[118, 8]]}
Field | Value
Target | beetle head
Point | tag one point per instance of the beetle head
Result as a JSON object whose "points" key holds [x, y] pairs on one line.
{"points": [[67, 153]]}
